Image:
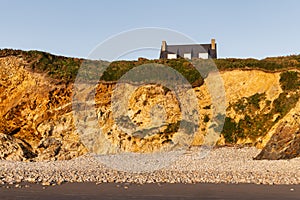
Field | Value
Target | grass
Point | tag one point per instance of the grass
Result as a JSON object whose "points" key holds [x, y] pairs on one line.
{"points": [[289, 80], [117, 69], [58, 67], [66, 69], [268, 64]]}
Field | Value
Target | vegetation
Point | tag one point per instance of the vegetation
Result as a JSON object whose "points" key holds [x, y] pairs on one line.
{"points": [[117, 69], [65, 68], [258, 120], [268, 64], [289, 80], [59, 67]]}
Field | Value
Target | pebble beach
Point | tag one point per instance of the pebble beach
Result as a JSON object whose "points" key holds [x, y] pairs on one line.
{"points": [[220, 165]]}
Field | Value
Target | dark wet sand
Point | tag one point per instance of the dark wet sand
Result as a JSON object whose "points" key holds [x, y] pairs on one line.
{"points": [[153, 191]]}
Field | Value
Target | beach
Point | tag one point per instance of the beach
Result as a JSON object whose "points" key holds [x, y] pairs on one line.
{"points": [[220, 165]]}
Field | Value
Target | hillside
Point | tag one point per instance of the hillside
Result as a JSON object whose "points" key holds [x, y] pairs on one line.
{"points": [[37, 123]]}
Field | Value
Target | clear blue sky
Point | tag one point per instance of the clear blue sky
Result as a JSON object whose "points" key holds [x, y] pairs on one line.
{"points": [[254, 28]]}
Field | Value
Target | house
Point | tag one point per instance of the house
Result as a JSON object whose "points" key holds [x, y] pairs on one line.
{"points": [[189, 51]]}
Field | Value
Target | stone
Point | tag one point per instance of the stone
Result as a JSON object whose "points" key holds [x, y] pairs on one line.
{"points": [[285, 141], [284, 144], [12, 148]]}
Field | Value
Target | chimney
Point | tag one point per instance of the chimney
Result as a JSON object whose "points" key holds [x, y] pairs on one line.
{"points": [[213, 44], [164, 46]]}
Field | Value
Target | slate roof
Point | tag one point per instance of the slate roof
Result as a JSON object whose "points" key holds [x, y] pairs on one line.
{"points": [[194, 49]]}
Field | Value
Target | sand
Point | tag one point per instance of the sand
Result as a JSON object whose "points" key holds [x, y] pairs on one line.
{"points": [[153, 191]]}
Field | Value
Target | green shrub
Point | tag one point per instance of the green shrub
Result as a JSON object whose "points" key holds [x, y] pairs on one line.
{"points": [[229, 130], [268, 64], [118, 68], [289, 80], [284, 103]]}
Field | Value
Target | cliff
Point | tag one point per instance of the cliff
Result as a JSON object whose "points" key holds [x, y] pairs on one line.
{"points": [[37, 122]]}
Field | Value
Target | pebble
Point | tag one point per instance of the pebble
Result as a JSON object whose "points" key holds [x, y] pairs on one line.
{"points": [[46, 183], [222, 165]]}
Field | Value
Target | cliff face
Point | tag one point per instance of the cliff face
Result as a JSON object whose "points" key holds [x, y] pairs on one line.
{"points": [[37, 123], [35, 116]]}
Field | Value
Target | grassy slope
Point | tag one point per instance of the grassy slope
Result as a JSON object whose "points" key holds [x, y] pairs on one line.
{"points": [[65, 68]]}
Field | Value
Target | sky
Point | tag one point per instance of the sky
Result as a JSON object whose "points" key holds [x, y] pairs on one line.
{"points": [[242, 29]]}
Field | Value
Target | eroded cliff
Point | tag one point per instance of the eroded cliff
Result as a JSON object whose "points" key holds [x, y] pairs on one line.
{"points": [[36, 119], [37, 122]]}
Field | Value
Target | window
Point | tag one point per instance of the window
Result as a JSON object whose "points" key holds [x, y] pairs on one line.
{"points": [[187, 55], [172, 56]]}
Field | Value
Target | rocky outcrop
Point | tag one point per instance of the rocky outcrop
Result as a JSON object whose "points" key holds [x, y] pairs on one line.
{"points": [[285, 140], [14, 149], [284, 144]]}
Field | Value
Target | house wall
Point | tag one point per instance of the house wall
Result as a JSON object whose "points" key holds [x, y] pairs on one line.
{"points": [[203, 55], [187, 55]]}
